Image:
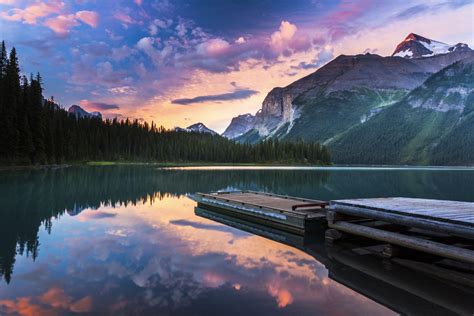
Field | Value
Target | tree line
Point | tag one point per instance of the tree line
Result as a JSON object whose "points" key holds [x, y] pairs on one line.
{"points": [[38, 131]]}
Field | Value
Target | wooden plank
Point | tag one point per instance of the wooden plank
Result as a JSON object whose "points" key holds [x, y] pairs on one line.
{"points": [[401, 219], [461, 213], [423, 245], [274, 202]]}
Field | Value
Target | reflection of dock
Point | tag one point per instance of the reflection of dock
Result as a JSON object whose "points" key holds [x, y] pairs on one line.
{"points": [[392, 283], [438, 228]]}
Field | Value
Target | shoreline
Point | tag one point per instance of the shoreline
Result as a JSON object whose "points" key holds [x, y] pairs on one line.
{"points": [[234, 166]]}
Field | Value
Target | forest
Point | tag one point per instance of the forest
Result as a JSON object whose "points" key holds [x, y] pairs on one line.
{"points": [[36, 131]]}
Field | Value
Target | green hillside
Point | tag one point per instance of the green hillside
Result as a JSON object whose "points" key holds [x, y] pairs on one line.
{"points": [[434, 124]]}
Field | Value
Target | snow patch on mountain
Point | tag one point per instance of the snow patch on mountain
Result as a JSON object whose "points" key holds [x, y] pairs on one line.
{"points": [[416, 46], [79, 112]]}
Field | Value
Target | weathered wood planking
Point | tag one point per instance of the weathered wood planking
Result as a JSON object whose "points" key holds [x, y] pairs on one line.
{"points": [[460, 213], [271, 201]]}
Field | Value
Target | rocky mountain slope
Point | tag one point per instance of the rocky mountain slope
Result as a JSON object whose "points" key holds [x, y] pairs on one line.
{"points": [[81, 113], [239, 126], [433, 124], [344, 94]]}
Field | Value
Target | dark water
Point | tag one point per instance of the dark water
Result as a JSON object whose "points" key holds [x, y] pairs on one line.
{"points": [[126, 240]]}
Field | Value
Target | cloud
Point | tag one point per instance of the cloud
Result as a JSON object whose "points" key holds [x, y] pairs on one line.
{"points": [[90, 18], [98, 105], [62, 23], [32, 13], [236, 95], [284, 34], [157, 25], [240, 40], [213, 47], [103, 74], [322, 57], [123, 17], [59, 23]]}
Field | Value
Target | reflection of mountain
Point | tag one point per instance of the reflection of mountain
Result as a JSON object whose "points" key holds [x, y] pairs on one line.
{"points": [[29, 199], [390, 283]]}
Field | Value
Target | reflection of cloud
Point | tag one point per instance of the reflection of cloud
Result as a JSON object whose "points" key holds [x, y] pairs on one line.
{"points": [[82, 306], [188, 265], [117, 232], [198, 225], [53, 302], [283, 296], [95, 215]]}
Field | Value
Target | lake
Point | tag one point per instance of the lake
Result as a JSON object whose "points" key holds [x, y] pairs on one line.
{"points": [[127, 240]]}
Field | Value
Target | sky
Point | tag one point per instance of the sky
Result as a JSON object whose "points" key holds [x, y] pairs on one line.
{"points": [[180, 62]]}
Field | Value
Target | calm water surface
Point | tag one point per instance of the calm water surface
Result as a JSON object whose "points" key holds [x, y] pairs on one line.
{"points": [[126, 240]]}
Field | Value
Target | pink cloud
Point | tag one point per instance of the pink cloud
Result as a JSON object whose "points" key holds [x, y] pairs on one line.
{"points": [[346, 13], [57, 21], [32, 13], [213, 47], [138, 2], [62, 23], [284, 34], [124, 18], [90, 18]]}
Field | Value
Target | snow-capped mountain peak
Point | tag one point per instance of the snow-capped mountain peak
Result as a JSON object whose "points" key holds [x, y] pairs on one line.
{"points": [[416, 46], [197, 127]]}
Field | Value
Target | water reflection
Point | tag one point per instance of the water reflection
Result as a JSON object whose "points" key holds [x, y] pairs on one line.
{"points": [[125, 240]]}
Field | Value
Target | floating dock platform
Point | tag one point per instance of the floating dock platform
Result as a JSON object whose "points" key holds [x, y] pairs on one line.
{"points": [[444, 229], [290, 214]]}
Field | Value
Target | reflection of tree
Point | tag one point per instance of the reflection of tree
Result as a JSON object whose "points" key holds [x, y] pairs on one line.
{"points": [[29, 199]]}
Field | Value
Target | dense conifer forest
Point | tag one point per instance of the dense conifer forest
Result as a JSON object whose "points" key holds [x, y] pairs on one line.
{"points": [[35, 131]]}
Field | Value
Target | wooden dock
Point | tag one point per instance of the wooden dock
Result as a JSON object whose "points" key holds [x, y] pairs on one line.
{"points": [[282, 212], [439, 228]]}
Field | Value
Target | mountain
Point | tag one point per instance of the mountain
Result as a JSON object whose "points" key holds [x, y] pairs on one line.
{"points": [[198, 127], [344, 94], [239, 126], [433, 124], [79, 112], [416, 46]]}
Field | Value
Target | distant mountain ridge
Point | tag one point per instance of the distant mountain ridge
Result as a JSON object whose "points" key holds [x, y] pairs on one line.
{"points": [[198, 128], [346, 93], [79, 112]]}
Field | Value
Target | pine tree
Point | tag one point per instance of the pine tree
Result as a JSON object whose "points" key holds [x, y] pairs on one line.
{"points": [[12, 98]]}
